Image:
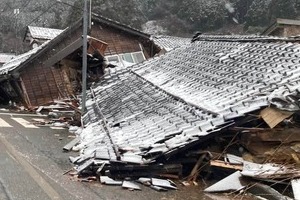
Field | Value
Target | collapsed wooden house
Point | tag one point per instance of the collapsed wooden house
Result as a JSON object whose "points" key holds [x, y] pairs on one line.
{"points": [[163, 106], [53, 70]]}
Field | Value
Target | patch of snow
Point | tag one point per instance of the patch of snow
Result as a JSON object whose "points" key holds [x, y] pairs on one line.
{"points": [[229, 7], [153, 28]]}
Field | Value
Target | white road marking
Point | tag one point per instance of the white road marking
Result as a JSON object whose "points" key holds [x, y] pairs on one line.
{"points": [[4, 123], [24, 123]]}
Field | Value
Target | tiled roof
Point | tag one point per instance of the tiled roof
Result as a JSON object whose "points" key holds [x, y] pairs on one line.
{"points": [[241, 38], [43, 33], [119, 25], [142, 118], [18, 60], [5, 57], [174, 100], [227, 78], [169, 42]]}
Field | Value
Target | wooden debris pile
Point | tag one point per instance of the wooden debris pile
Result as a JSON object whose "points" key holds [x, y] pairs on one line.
{"points": [[264, 154], [260, 149], [61, 113]]}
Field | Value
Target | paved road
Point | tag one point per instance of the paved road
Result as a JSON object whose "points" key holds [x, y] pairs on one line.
{"points": [[32, 165]]}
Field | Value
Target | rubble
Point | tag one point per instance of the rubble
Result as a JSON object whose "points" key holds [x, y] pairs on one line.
{"points": [[231, 183], [296, 188], [214, 106], [71, 144], [61, 114], [130, 185], [108, 181], [266, 192]]}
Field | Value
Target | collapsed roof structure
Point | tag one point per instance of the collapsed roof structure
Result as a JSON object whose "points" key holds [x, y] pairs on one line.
{"points": [[53, 70], [149, 112]]}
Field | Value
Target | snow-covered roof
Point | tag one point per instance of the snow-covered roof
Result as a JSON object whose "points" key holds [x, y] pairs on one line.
{"points": [[146, 116], [229, 78], [174, 100], [169, 42], [5, 57], [18, 60], [241, 38], [43, 33]]}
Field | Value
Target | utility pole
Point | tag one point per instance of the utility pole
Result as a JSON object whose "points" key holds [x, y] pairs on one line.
{"points": [[16, 13], [90, 15], [84, 56]]}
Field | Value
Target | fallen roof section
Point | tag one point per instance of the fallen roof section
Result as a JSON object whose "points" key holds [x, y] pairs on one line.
{"points": [[143, 121], [228, 78], [170, 103]]}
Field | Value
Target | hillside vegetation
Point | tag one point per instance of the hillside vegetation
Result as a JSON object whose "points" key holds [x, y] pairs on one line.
{"points": [[173, 17]]}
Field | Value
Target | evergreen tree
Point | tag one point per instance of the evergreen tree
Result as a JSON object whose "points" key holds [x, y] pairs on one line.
{"points": [[283, 9], [258, 13]]}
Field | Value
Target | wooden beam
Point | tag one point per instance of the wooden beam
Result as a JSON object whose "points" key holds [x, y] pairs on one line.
{"points": [[64, 52], [222, 164], [194, 173], [95, 44]]}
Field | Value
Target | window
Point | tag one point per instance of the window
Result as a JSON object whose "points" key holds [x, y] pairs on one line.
{"points": [[113, 58], [138, 57], [127, 58]]}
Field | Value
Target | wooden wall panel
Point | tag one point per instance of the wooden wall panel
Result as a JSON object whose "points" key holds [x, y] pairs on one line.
{"points": [[118, 41], [45, 83]]}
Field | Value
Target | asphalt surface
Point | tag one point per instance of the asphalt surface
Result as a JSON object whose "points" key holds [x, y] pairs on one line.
{"points": [[32, 167]]}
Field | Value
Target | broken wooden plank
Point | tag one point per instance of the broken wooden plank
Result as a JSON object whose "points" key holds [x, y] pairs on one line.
{"points": [[274, 116], [222, 164], [195, 171]]}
